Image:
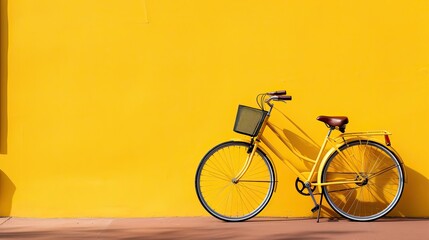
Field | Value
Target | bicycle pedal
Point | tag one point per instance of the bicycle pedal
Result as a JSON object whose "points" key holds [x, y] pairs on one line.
{"points": [[316, 208]]}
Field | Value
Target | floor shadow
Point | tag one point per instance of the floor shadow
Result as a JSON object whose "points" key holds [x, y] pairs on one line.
{"points": [[204, 228], [3, 74], [276, 219], [169, 233], [404, 219]]}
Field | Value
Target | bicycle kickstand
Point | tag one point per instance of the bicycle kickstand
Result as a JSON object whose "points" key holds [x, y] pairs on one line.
{"points": [[317, 207], [320, 207]]}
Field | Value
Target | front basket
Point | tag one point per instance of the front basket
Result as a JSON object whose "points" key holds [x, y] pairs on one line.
{"points": [[249, 120]]}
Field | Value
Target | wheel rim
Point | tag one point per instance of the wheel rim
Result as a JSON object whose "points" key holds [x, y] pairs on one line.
{"points": [[231, 200], [380, 176]]}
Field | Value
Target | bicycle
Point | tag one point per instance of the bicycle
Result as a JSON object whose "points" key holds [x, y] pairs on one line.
{"points": [[361, 178]]}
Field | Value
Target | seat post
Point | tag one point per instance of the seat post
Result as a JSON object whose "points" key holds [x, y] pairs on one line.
{"points": [[324, 144], [330, 131]]}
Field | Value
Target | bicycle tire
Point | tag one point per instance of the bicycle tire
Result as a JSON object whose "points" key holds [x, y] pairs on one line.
{"points": [[216, 190], [382, 186]]}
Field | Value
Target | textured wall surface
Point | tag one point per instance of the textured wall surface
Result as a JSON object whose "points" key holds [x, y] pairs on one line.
{"points": [[107, 106]]}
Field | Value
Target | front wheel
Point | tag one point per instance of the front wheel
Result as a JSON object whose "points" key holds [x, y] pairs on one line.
{"points": [[225, 198], [378, 176]]}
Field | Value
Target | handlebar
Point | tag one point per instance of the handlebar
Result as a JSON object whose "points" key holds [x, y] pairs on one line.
{"points": [[279, 95], [266, 98]]}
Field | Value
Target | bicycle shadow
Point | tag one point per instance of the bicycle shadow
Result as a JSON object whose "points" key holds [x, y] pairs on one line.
{"points": [[303, 146], [300, 140], [415, 197], [303, 143]]}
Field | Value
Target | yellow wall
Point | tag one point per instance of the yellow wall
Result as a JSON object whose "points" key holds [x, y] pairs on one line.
{"points": [[107, 106]]}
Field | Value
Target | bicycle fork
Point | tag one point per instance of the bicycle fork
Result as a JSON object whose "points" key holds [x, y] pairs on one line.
{"points": [[251, 152]]}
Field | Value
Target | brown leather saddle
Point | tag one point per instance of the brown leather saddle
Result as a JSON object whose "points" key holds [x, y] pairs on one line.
{"points": [[337, 122]]}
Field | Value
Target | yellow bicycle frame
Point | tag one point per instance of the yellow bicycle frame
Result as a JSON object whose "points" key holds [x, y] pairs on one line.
{"points": [[320, 161]]}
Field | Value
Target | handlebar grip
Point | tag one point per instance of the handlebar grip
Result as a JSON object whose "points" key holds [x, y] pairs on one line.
{"points": [[277, 93], [284, 98], [278, 98]]}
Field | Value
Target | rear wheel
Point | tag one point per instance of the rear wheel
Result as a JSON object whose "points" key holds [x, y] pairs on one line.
{"points": [[380, 176], [221, 195]]}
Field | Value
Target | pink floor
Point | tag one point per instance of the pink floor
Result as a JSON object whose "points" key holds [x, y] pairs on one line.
{"points": [[211, 228]]}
